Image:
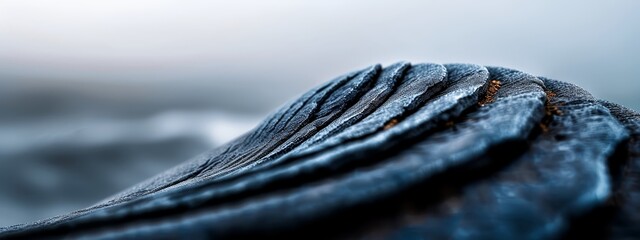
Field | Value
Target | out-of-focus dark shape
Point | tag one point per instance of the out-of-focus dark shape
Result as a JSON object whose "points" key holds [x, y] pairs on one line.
{"points": [[55, 163], [454, 151]]}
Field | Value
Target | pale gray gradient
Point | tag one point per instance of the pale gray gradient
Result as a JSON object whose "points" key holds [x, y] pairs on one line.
{"points": [[253, 55]]}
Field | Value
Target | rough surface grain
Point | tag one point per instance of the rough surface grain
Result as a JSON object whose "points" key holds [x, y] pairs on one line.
{"points": [[422, 151]]}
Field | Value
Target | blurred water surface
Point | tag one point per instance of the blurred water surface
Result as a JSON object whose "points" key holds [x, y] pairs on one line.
{"points": [[98, 95]]}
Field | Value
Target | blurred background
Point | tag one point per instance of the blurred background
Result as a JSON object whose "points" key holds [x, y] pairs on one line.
{"points": [[98, 95]]}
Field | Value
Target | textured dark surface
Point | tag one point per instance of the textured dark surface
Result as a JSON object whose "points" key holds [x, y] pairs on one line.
{"points": [[422, 151], [627, 194]]}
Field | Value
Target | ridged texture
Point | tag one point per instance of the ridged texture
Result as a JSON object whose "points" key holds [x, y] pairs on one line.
{"points": [[423, 151]]}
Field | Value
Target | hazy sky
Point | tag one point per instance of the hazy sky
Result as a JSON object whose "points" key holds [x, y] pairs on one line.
{"points": [[252, 56]]}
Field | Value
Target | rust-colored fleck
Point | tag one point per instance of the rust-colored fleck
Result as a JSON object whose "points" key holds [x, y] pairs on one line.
{"points": [[391, 123], [551, 109], [492, 90]]}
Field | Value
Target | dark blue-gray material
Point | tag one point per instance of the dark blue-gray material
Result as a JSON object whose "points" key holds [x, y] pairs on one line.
{"points": [[422, 151]]}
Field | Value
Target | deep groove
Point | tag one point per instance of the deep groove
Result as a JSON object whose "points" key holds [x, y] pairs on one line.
{"points": [[551, 109], [252, 154], [399, 118], [348, 104], [596, 224], [345, 125], [600, 222], [489, 96], [258, 160], [405, 113]]}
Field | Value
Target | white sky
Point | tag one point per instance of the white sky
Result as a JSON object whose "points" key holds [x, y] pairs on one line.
{"points": [[292, 45]]}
